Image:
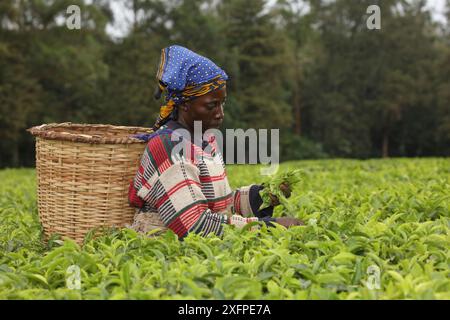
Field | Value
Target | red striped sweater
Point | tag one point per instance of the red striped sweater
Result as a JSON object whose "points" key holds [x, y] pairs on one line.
{"points": [[190, 192]]}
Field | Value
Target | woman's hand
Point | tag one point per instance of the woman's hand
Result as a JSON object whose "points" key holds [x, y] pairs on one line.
{"points": [[289, 222], [286, 189]]}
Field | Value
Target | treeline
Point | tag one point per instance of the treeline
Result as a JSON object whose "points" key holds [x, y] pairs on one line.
{"points": [[310, 68]]}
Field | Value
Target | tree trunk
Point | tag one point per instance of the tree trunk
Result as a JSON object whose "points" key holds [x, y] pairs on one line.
{"points": [[134, 15], [296, 93], [385, 146], [298, 116], [15, 155]]}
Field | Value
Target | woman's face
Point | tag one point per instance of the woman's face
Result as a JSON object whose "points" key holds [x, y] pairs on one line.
{"points": [[207, 108]]}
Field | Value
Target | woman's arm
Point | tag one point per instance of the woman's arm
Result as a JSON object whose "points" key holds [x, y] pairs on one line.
{"points": [[246, 202], [172, 185]]}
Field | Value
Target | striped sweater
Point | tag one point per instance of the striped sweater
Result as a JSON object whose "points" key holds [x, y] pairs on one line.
{"points": [[191, 191]]}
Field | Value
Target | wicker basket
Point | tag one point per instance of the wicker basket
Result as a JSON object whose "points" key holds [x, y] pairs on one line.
{"points": [[83, 175]]}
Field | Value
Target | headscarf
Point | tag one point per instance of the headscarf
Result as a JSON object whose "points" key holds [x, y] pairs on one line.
{"points": [[184, 75]]}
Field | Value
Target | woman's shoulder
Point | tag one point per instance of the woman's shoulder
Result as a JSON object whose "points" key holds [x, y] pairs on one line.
{"points": [[165, 141]]}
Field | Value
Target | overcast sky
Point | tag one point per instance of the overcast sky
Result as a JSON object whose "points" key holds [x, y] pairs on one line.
{"points": [[124, 16]]}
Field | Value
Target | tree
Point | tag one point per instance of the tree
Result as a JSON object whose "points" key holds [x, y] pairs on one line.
{"points": [[302, 49], [20, 96], [443, 89], [255, 60], [48, 73]]}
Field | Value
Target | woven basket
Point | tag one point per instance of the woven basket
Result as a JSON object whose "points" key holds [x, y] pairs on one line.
{"points": [[83, 175]]}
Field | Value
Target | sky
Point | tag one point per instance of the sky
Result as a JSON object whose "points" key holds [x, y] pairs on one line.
{"points": [[437, 7], [123, 16]]}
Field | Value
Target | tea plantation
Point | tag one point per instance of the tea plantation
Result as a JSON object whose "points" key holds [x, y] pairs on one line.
{"points": [[376, 229]]}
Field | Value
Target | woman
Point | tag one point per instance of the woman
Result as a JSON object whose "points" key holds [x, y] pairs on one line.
{"points": [[190, 192]]}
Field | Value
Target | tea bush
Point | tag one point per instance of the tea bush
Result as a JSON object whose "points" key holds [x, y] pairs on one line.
{"points": [[376, 229]]}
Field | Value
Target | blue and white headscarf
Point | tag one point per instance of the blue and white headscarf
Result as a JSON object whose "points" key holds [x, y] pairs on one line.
{"points": [[184, 75]]}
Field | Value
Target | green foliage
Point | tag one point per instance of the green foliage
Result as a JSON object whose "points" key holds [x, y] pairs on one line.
{"points": [[273, 186], [295, 147], [255, 63], [333, 87], [392, 214]]}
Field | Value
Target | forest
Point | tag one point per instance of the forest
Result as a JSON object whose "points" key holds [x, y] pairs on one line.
{"points": [[312, 69]]}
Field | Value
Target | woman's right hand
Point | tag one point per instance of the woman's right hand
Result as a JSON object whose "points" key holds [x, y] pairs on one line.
{"points": [[289, 222], [286, 189]]}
